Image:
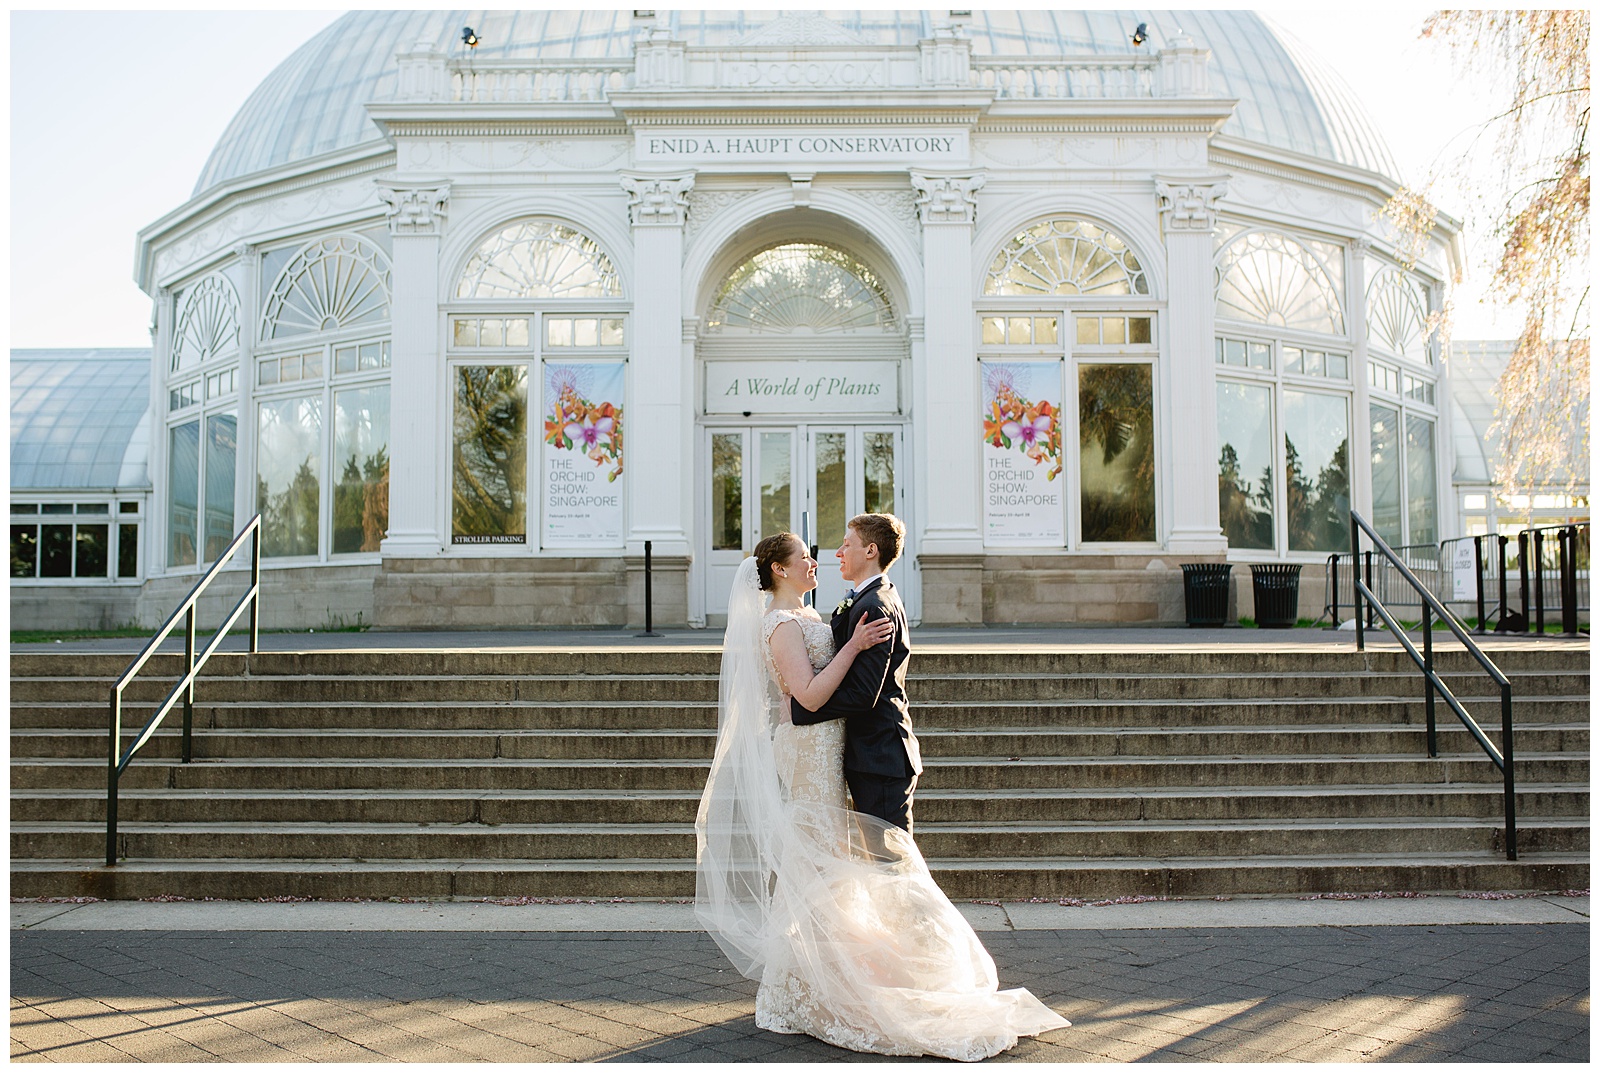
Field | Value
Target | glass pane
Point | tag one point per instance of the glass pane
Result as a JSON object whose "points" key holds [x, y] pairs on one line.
{"points": [[1116, 444], [611, 331], [127, 551], [32, 508], [372, 355], [490, 334], [128, 507], [1235, 352], [1138, 329], [466, 333], [727, 491], [55, 551], [558, 331], [1019, 330], [288, 468], [1316, 468], [1088, 331], [344, 359], [92, 508], [24, 550], [311, 365], [517, 332], [1244, 468], [93, 547], [1113, 330], [269, 371], [222, 439], [1220, 357], [57, 508], [1422, 497], [1066, 256], [539, 259], [994, 330], [1044, 330], [1260, 356], [1338, 366], [585, 332], [877, 463], [776, 483], [802, 285], [490, 484], [832, 509], [289, 367], [1386, 472], [360, 468], [1313, 366], [183, 494]]}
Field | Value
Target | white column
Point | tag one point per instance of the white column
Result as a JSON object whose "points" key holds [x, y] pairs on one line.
{"points": [[244, 486], [946, 392], [660, 381], [416, 422], [1189, 216]]}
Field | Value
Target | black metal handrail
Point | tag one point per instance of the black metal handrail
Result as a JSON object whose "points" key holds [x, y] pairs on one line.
{"points": [[184, 690], [1502, 757]]}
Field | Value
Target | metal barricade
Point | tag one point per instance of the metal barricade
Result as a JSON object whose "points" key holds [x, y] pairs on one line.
{"points": [[1382, 577]]}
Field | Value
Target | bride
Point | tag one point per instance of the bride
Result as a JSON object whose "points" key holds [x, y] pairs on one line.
{"points": [[831, 910]]}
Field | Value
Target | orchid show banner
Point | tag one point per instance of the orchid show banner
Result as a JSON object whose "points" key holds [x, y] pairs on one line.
{"points": [[1022, 504], [583, 455]]}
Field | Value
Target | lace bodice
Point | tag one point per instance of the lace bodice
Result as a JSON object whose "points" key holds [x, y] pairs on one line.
{"points": [[818, 637]]}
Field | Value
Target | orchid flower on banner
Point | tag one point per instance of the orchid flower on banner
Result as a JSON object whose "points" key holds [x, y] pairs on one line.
{"points": [[575, 423], [1013, 421]]}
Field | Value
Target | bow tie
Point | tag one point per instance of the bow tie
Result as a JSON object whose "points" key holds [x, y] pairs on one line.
{"points": [[850, 594]]}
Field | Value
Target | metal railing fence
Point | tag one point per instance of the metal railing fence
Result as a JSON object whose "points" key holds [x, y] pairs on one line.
{"points": [[120, 758]]}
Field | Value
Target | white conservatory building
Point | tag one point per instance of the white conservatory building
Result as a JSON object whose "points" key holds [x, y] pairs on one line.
{"points": [[472, 325]]}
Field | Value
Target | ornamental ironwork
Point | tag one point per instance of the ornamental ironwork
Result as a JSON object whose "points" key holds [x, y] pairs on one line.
{"points": [[331, 283], [802, 285], [1397, 315], [539, 259], [1266, 277], [208, 323], [1066, 256]]}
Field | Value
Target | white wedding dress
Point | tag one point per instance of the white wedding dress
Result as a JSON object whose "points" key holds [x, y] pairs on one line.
{"points": [[859, 949]]}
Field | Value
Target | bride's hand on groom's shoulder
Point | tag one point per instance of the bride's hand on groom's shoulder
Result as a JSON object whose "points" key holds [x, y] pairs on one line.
{"points": [[871, 631]]}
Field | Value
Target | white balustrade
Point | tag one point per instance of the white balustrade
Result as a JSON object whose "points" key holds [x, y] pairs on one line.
{"points": [[548, 80], [1044, 79]]}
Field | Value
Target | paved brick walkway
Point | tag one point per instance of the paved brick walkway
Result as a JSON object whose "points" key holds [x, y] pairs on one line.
{"points": [[1489, 992]]}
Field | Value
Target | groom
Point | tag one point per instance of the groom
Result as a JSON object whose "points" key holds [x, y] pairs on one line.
{"points": [[881, 759]]}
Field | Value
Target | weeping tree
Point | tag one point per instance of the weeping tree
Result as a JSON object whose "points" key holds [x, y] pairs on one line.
{"points": [[1537, 206]]}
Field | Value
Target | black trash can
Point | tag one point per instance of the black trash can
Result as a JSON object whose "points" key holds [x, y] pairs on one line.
{"points": [[1277, 592], [1205, 593]]}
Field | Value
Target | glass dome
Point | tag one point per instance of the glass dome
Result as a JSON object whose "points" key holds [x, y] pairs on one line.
{"points": [[78, 419], [313, 103]]}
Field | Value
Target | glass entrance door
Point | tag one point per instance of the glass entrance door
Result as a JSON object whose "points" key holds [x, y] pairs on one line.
{"points": [[808, 479]]}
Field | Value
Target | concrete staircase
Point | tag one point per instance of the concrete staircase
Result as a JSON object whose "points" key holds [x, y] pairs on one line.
{"points": [[1091, 775]]}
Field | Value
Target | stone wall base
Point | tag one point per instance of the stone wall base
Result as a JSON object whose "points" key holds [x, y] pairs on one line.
{"points": [[533, 593], [330, 597], [74, 607]]}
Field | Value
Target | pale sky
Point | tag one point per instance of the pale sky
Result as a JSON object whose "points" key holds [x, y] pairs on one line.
{"points": [[113, 114]]}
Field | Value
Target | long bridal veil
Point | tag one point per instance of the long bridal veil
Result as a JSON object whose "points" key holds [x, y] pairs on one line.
{"points": [[834, 911]]}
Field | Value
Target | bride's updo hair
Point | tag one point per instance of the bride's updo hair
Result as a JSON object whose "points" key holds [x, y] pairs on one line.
{"points": [[774, 550]]}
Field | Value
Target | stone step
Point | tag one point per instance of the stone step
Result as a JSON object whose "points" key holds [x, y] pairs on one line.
{"points": [[606, 656], [1483, 801], [956, 773], [970, 688], [700, 744], [393, 841], [446, 715], [669, 878]]}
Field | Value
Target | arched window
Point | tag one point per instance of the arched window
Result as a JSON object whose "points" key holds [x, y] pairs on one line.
{"points": [[539, 259], [208, 324], [1397, 315], [1066, 256], [333, 283], [1269, 278], [802, 285]]}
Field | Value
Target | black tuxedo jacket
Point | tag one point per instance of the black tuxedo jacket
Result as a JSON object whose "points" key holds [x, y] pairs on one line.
{"points": [[872, 698]]}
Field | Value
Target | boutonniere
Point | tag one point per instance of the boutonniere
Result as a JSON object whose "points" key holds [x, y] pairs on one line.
{"points": [[844, 605]]}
